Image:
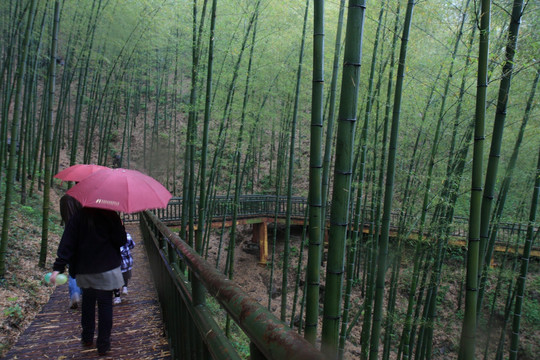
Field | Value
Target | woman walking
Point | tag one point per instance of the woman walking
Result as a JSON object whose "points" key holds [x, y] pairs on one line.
{"points": [[90, 246]]}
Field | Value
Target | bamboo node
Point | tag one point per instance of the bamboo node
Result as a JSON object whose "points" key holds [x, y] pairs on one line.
{"points": [[339, 224], [335, 272]]}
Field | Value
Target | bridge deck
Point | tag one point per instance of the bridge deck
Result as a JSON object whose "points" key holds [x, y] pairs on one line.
{"points": [[137, 330]]}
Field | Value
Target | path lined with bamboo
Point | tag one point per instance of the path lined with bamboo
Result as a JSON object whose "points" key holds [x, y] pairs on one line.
{"points": [[137, 332]]}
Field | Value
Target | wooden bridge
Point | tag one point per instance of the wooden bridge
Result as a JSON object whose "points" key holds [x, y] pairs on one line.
{"points": [[165, 315], [261, 210]]}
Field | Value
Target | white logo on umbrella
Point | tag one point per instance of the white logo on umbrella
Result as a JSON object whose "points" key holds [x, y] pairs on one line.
{"points": [[108, 202]]}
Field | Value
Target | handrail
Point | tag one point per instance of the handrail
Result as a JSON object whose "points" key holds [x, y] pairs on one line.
{"points": [[169, 255]]}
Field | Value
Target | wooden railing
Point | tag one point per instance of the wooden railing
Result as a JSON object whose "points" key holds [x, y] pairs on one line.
{"points": [[266, 205], [192, 331]]}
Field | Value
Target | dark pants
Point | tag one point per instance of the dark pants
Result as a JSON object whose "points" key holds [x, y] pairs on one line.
{"points": [[105, 317], [126, 275]]}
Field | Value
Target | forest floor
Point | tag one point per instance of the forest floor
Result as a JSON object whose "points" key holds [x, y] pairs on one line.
{"points": [[23, 293]]}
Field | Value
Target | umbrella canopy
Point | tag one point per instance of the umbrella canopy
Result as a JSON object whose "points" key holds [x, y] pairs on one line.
{"points": [[123, 190], [78, 172]]}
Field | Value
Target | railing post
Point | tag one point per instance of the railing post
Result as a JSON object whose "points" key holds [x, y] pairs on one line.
{"points": [[260, 236]]}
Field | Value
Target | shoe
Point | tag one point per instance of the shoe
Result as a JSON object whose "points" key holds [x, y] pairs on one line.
{"points": [[103, 352], [87, 344], [117, 300], [74, 301], [124, 290]]}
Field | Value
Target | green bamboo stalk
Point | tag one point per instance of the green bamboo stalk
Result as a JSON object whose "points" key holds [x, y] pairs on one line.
{"points": [[520, 285], [362, 155], [425, 340], [29, 112], [286, 243], [510, 297], [468, 331], [510, 169], [498, 288], [342, 177], [389, 188], [32, 149], [496, 141], [7, 74], [10, 177], [316, 216], [48, 138], [198, 288], [373, 234], [192, 125], [281, 156], [331, 115], [83, 75], [298, 277], [237, 157]]}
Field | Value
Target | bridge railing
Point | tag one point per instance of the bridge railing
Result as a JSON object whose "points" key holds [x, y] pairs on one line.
{"points": [[266, 205], [192, 331]]}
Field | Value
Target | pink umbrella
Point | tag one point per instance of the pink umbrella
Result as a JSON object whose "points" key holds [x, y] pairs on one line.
{"points": [[78, 172], [123, 190]]}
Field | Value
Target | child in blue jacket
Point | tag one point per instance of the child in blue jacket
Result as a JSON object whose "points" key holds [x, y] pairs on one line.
{"points": [[127, 265]]}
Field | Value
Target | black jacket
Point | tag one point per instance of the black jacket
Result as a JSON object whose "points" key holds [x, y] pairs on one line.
{"points": [[91, 242]]}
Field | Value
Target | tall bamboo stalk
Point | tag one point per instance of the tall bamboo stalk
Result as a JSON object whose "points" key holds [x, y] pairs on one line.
{"points": [[342, 177], [389, 187], [316, 216], [10, 177], [48, 138], [329, 143], [198, 288], [520, 285], [468, 331], [496, 140], [286, 243]]}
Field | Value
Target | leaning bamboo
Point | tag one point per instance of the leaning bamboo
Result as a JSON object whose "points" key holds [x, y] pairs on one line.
{"points": [[496, 140]]}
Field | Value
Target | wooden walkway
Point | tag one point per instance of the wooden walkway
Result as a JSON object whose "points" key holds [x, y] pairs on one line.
{"points": [[137, 325]]}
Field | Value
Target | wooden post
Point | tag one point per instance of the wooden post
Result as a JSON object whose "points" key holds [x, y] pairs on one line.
{"points": [[260, 236]]}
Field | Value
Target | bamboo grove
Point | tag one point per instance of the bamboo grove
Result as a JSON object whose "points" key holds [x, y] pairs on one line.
{"points": [[381, 114]]}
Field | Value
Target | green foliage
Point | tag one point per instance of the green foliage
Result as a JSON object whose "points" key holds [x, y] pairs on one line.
{"points": [[14, 311], [239, 340], [531, 310], [28, 210], [531, 302]]}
